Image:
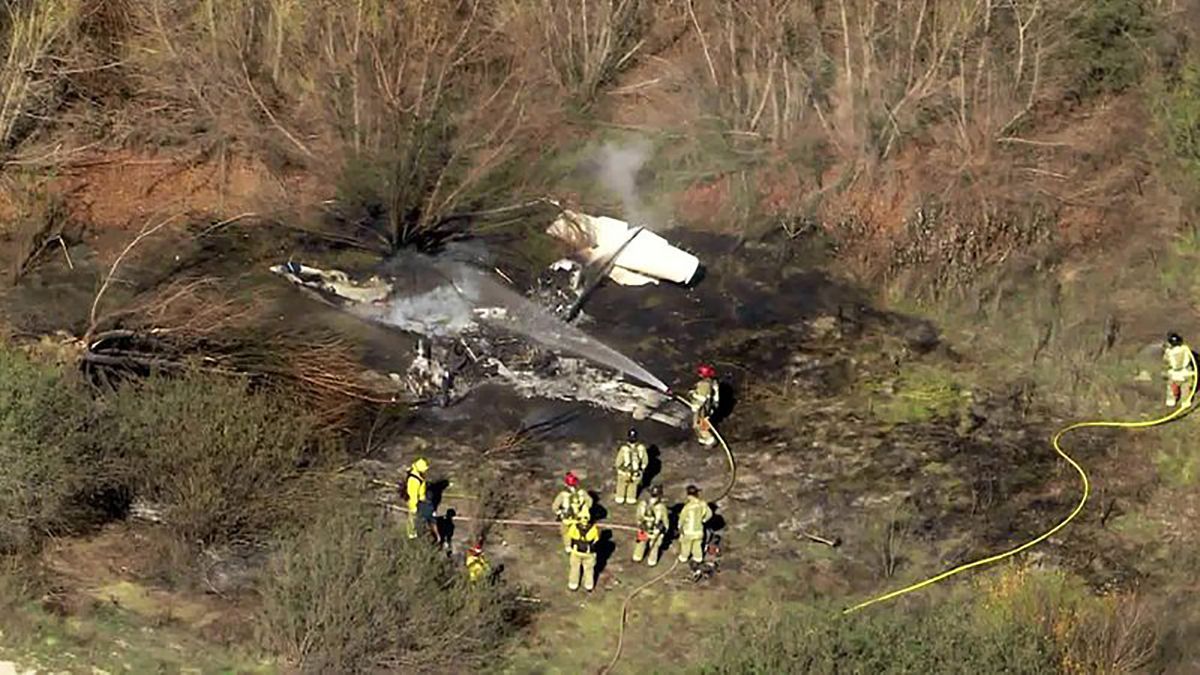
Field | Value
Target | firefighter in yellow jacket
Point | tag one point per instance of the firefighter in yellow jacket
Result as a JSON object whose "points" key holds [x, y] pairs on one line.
{"points": [[571, 504], [692, 520], [583, 537], [653, 519], [631, 461], [414, 487], [704, 399], [477, 565], [1178, 358]]}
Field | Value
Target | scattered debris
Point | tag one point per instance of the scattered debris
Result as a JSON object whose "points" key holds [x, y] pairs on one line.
{"points": [[574, 380], [427, 378], [499, 337], [335, 286], [643, 257], [559, 287]]}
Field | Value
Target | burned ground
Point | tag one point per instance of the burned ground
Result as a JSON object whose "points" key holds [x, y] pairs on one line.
{"points": [[846, 421], [966, 472]]}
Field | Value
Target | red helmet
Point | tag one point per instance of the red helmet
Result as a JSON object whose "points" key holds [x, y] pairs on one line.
{"points": [[705, 370], [476, 548], [571, 480]]}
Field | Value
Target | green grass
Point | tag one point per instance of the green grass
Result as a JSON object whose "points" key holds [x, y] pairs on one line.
{"points": [[1177, 272], [1137, 527], [1177, 456], [920, 393], [114, 640], [1176, 104]]}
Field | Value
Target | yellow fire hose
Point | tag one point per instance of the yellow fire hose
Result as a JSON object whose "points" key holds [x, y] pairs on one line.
{"points": [[1083, 477]]}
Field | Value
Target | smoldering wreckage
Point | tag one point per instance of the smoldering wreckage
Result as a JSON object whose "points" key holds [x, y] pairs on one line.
{"points": [[474, 328]]}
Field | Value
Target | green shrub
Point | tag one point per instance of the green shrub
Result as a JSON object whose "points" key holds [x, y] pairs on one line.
{"points": [[353, 593], [1015, 619], [50, 469], [1178, 111], [938, 638], [1111, 37], [220, 460]]}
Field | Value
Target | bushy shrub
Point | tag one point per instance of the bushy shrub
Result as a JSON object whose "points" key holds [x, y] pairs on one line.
{"points": [[219, 459], [50, 469], [353, 593], [1178, 111], [1093, 634], [1017, 619], [940, 638], [1110, 39]]}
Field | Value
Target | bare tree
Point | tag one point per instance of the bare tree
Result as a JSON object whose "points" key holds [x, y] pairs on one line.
{"points": [[425, 95], [586, 44]]}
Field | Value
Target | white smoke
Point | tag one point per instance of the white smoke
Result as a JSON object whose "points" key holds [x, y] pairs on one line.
{"points": [[436, 313], [618, 169]]}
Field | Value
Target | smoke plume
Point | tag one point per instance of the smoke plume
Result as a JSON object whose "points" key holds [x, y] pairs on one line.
{"points": [[618, 169]]}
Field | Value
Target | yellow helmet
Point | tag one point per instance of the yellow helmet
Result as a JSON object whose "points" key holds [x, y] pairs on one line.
{"points": [[420, 465]]}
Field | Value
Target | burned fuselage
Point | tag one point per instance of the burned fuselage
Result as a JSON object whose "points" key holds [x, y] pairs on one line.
{"points": [[465, 342]]}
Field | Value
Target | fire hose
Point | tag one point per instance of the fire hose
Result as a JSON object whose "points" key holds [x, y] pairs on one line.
{"points": [[675, 564], [629, 599], [510, 521], [1086, 492]]}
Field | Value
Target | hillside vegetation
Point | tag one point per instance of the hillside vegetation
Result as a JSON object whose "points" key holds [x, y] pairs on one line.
{"points": [[1024, 172]]}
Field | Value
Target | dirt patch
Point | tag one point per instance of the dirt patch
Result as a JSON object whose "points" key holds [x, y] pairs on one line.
{"points": [[118, 567], [121, 191]]}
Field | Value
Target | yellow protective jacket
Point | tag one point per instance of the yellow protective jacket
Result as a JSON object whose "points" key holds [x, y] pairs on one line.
{"points": [[415, 487], [583, 541], [703, 397], [572, 503], [1178, 359], [693, 517], [632, 458], [477, 567], [652, 516]]}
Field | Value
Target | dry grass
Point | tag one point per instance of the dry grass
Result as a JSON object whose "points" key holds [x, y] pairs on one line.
{"points": [[37, 38], [1111, 634], [203, 324], [873, 74]]}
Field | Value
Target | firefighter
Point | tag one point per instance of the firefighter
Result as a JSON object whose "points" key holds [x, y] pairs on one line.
{"points": [[1178, 357], [414, 487], [582, 537], [704, 399], [692, 520], [631, 461], [477, 565], [652, 521], [571, 503]]}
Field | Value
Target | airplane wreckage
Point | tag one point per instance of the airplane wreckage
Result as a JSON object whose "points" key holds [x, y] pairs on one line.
{"points": [[474, 329]]}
